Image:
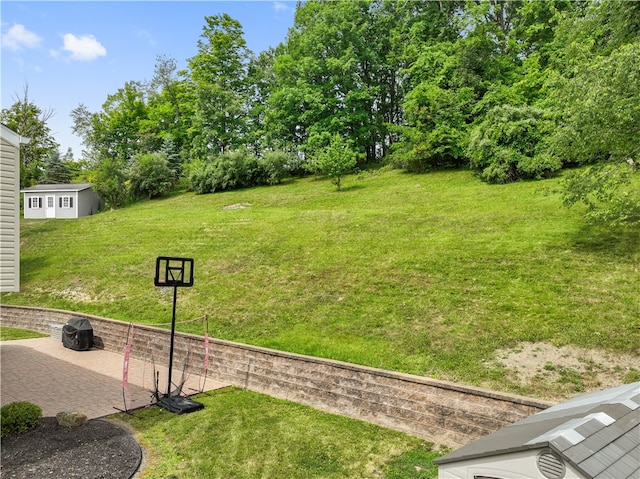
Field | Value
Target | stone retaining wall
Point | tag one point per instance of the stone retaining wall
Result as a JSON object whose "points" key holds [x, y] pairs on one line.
{"points": [[439, 411]]}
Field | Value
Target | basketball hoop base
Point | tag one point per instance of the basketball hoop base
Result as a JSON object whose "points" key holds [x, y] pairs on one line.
{"points": [[179, 404]]}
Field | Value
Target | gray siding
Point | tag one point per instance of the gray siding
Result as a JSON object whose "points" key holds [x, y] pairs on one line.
{"points": [[9, 217], [83, 203], [88, 203]]}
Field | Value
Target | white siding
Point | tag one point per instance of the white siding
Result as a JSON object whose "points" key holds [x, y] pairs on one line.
{"points": [[9, 215], [517, 465], [66, 211], [31, 213]]}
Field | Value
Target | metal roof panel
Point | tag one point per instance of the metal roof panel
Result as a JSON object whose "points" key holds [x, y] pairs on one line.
{"points": [[62, 187]]}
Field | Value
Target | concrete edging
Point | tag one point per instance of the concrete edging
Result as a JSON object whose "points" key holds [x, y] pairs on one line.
{"points": [[439, 411]]}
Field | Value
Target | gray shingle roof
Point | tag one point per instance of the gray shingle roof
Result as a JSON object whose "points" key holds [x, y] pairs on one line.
{"points": [[597, 433], [57, 188]]}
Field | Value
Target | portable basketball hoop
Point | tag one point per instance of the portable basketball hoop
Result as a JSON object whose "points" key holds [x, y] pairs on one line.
{"points": [[175, 273]]}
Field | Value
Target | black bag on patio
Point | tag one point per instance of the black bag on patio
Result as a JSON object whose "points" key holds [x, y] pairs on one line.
{"points": [[77, 334]]}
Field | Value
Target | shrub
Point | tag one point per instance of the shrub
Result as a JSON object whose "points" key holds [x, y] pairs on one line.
{"points": [[241, 169], [228, 171], [150, 176], [18, 417], [510, 145], [195, 175], [276, 165], [539, 166], [108, 179]]}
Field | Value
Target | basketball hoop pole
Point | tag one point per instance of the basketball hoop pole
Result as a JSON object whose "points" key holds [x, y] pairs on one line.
{"points": [[176, 272], [173, 334]]}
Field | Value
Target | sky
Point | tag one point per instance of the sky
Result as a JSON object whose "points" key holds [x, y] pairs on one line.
{"points": [[78, 52]]}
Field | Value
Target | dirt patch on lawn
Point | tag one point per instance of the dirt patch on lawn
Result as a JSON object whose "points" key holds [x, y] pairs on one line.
{"points": [[237, 206], [561, 372]]}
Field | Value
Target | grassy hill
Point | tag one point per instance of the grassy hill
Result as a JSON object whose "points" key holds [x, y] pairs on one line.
{"points": [[433, 274]]}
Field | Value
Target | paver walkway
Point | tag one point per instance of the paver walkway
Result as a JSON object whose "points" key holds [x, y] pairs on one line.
{"points": [[44, 372]]}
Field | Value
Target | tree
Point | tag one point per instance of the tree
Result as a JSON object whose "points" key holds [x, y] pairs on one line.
{"points": [[610, 191], [594, 93], [436, 132], [261, 81], [108, 178], [83, 125], [335, 160], [170, 150], [56, 169], [516, 89], [343, 70], [116, 130], [484, 51], [169, 106], [28, 120], [599, 109], [218, 72]]}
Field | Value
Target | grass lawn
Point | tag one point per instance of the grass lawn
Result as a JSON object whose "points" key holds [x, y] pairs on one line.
{"points": [[245, 435], [9, 334], [424, 274]]}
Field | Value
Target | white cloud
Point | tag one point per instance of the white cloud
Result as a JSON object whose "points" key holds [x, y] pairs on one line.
{"points": [[145, 35], [84, 47], [18, 36], [280, 7]]}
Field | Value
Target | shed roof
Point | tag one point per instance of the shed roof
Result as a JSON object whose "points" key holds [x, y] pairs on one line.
{"points": [[597, 433], [59, 188]]}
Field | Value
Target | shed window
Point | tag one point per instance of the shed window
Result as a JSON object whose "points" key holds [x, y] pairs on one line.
{"points": [[66, 202], [35, 202]]}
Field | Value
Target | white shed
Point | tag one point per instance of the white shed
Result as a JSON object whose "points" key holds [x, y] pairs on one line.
{"points": [[72, 200], [593, 436], [10, 143]]}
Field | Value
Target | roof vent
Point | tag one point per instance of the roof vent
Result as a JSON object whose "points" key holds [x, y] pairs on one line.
{"points": [[550, 465]]}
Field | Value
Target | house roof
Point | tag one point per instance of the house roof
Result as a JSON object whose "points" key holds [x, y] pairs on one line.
{"points": [[60, 188], [11, 136], [597, 433]]}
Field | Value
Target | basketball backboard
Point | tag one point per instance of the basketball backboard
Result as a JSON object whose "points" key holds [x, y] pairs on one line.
{"points": [[174, 272]]}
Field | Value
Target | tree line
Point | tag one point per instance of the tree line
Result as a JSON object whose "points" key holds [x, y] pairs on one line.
{"points": [[514, 89]]}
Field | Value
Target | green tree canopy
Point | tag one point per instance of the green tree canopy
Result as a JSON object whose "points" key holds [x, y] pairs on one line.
{"points": [[56, 169], [599, 109], [28, 120], [218, 72]]}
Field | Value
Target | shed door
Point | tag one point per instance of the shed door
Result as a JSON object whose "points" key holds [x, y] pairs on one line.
{"points": [[50, 210]]}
